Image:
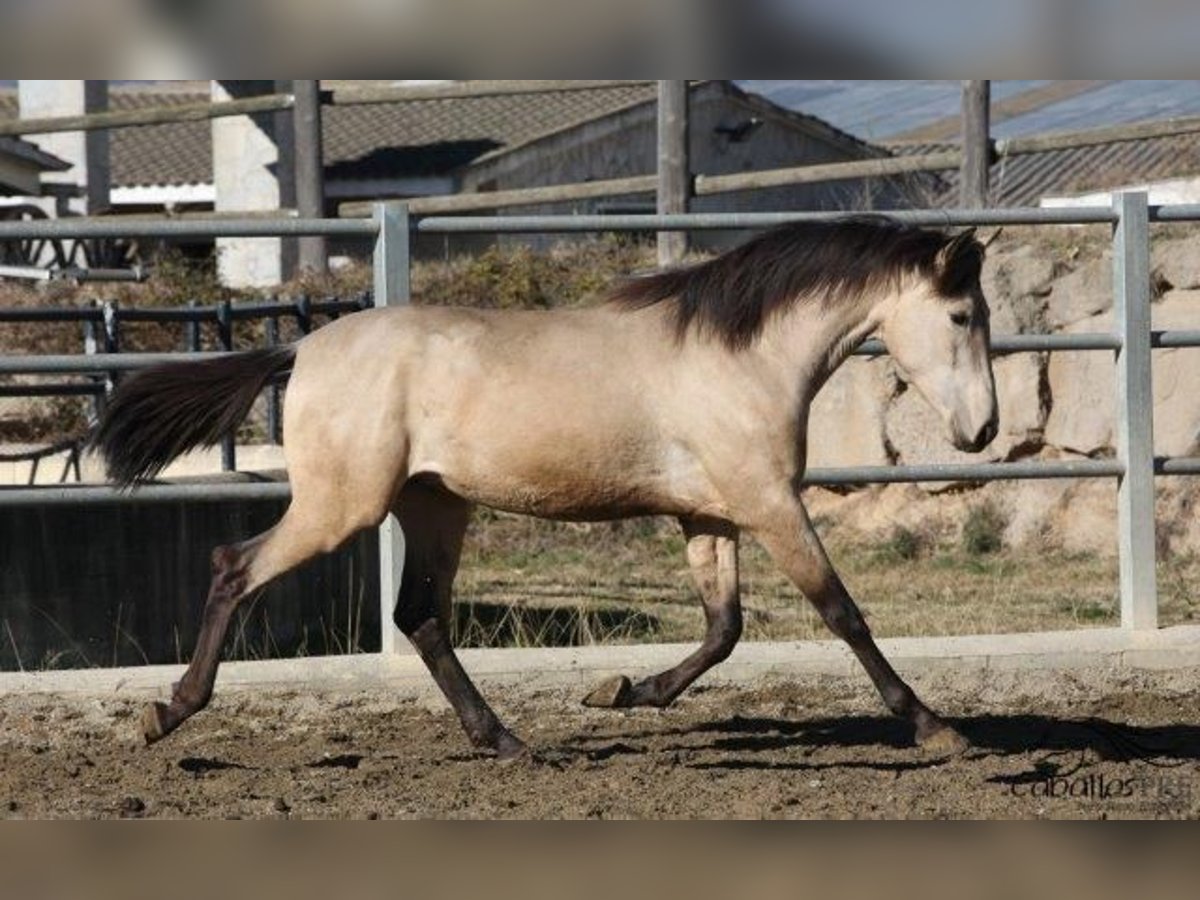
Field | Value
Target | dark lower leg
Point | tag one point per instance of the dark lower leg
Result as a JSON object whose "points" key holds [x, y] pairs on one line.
{"points": [[434, 522], [724, 629], [712, 556], [478, 720], [192, 692], [842, 616]]}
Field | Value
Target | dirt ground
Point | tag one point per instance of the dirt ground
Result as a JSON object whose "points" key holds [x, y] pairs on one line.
{"points": [[1096, 745]]}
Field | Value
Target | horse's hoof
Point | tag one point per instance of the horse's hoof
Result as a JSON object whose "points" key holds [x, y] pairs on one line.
{"points": [[943, 742], [512, 749], [154, 726], [612, 693]]}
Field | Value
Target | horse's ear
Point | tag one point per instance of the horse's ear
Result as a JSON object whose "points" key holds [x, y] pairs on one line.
{"points": [[958, 263], [955, 246]]}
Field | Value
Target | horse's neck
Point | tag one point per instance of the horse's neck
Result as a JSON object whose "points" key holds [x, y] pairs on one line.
{"points": [[813, 339]]}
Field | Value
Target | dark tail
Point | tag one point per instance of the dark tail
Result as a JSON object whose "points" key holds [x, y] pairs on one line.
{"points": [[163, 412]]}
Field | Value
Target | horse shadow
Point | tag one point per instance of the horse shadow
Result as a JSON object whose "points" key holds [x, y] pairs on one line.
{"points": [[1058, 746]]}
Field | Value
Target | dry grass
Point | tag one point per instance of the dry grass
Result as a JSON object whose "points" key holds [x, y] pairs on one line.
{"points": [[628, 581]]}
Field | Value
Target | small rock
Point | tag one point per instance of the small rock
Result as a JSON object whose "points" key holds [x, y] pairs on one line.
{"points": [[281, 805], [372, 815], [131, 807], [13, 805]]}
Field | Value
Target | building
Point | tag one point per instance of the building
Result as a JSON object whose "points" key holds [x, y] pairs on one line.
{"points": [[431, 147]]}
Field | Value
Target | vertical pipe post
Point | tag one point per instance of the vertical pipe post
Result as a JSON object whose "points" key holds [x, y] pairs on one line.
{"points": [[192, 329], [90, 347], [310, 175], [674, 171], [976, 144], [1135, 411], [112, 340], [392, 288], [225, 332], [274, 426]]}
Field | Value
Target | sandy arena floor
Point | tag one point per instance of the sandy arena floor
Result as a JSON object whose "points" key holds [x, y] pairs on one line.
{"points": [[1096, 745]]}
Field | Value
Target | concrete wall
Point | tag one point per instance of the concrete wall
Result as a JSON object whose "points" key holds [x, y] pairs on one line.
{"points": [[251, 171], [86, 150]]}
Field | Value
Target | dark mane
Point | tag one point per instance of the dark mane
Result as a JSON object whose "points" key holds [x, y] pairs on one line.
{"points": [[732, 296]]}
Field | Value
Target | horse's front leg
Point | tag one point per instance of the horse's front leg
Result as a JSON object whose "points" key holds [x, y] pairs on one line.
{"points": [[787, 534], [712, 554]]}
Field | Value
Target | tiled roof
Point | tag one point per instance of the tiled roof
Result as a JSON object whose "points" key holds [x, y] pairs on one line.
{"points": [[1024, 180], [413, 137]]}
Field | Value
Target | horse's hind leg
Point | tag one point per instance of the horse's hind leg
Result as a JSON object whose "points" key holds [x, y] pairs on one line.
{"points": [[237, 570], [434, 521], [712, 549]]}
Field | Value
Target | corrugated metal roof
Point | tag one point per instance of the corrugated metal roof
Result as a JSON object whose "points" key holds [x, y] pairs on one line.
{"points": [[885, 110], [876, 110], [1024, 180]]}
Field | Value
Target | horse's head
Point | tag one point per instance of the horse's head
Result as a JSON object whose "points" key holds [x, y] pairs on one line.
{"points": [[937, 333]]}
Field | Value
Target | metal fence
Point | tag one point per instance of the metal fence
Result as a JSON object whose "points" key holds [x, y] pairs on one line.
{"points": [[102, 334], [393, 227]]}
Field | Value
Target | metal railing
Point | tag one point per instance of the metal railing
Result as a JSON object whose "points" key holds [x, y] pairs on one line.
{"points": [[393, 228], [102, 336]]}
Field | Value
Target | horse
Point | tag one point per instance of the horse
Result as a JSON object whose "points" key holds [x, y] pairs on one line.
{"points": [[682, 393]]}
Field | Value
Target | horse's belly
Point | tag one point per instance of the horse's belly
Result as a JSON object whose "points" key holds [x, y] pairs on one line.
{"points": [[575, 488]]}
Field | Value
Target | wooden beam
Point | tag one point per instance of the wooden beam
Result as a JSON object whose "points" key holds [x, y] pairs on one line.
{"points": [[674, 170], [977, 144], [458, 90], [309, 170], [861, 168], [1091, 137], [157, 115]]}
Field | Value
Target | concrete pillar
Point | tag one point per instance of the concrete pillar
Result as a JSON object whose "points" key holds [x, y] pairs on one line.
{"points": [[87, 151], [248, 152]]}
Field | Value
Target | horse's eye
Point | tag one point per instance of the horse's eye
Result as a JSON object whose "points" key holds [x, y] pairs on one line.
{"points": [[960, 319]]}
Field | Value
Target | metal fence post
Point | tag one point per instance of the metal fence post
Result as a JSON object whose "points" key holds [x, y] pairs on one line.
{"points": [[1135, 411], [225, 335], [392, 288]]}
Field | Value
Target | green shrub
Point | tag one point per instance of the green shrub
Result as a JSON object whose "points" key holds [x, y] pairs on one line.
{"points": [[983, 531], [902, 544]]}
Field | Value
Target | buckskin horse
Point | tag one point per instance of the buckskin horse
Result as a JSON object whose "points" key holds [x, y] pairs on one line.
{"points": [[683, 393]]}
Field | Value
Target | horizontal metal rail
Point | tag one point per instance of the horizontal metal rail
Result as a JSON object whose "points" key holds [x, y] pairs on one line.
{"points": [[1080, 215], [57, 389], [191, 492], [1003, 343], [251, 310], [116, 227], [1024, 343], [101, 227], [1175, 212], [212, 492], [1177, 465], [62, 364], [1000, 471]]}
